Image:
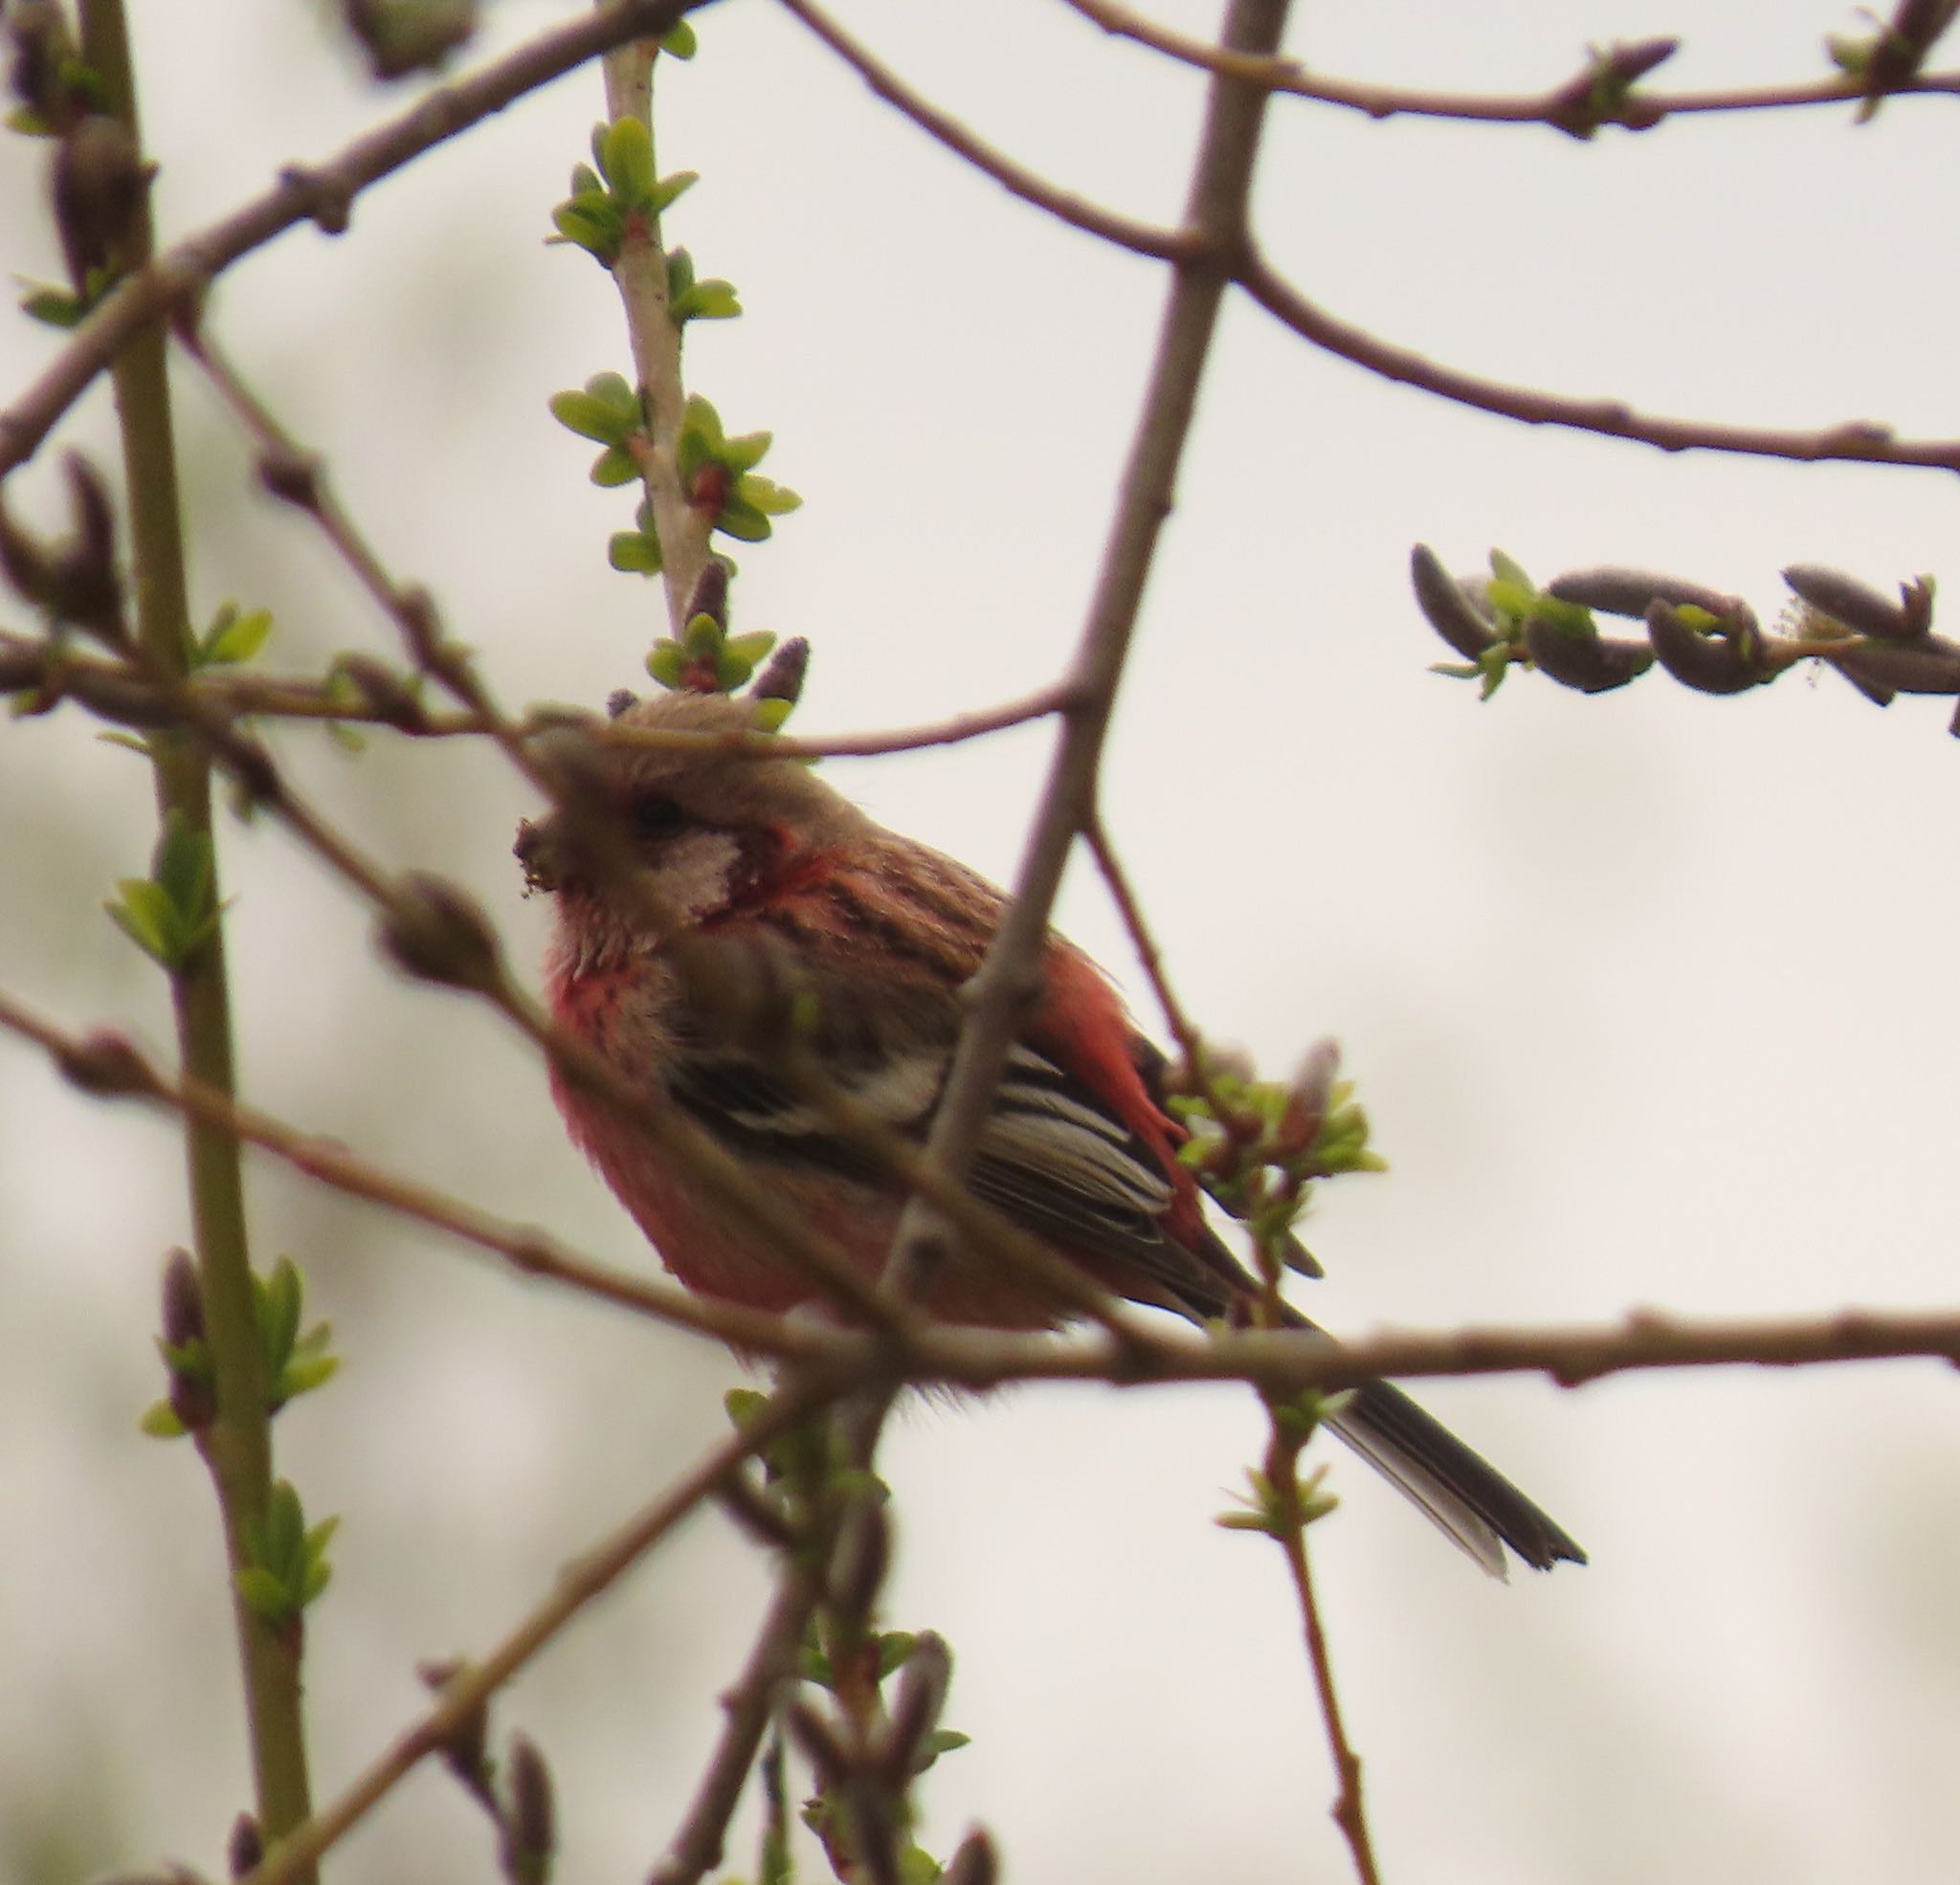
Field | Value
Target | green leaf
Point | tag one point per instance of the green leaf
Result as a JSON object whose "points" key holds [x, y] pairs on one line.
{"points": [[54, 308], [941, 1741], [894, 1649], [666, 664], [160, 1423], [766, 495], [706, 300], [745, 452], [183, 870], [625, 160], [613, 467], [681, 42], [586, 181], [302, 1377], [276, 1303], [752, 647], [232, 637], [744, 522], [264, 1593], [669, 190], [634, 552], [1505, 571], [588, 417], [745, 1405], [591, 223], [917, 1867], [145, 916], [770, 715]]}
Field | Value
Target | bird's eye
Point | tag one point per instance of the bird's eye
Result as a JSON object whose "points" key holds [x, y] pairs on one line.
{"points": [[656, 816]]}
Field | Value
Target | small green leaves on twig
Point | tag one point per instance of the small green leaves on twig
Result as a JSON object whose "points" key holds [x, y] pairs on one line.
{"points": [[608, 413], [719, 479], [1265, 1508], [296, 1363], [286, 1566], [595, 215], [691, 300], [1706, 640], [174, 912], [1506, 620], [1257, 1146]]}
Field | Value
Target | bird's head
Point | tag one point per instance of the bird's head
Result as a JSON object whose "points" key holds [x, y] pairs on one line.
{"points": [[676, 788]]}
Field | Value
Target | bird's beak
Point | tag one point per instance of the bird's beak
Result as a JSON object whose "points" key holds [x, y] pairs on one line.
{"points": [[539, 850]]}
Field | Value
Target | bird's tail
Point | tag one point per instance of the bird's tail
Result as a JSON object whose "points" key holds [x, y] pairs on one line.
{"points": [[1465, 1496]]}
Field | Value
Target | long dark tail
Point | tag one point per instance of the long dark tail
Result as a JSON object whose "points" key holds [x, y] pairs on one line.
{"points": [[1465, 1496]]}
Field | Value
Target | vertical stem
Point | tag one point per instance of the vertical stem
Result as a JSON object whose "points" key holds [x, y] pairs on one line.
{"points": [[1350, 1811], [236, 1447], [640, 274]]}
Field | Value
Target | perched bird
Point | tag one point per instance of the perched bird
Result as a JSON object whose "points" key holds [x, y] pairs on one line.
{"points": [[761, 863]]}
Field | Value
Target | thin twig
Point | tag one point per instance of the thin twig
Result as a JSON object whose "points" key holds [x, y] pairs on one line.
{"points": [[1029, 186], [1349, 1809], [1008, 977], [697, 1844], [322, 193], [1639, 112], [575, 1587], [531, 1251], [1857, 441], [125, 696]]}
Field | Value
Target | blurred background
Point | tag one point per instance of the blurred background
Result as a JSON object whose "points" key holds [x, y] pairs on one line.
{"points": [[1642, 992]]}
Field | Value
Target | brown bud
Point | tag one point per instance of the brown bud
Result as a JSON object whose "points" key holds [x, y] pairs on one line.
{"points": [[98, 183], [106, 1063], [782, 678], [710, 597], [528, 1828], [437, 931], [246, 1846], [183, 1301], [972, 1862], [1618, 592], [1712, 664], [1858, 606], [1451, 611], [922, 1685], [1590, 663]]}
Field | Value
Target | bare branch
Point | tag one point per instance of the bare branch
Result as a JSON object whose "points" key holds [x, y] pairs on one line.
{"points": [[1553, 107], [1029, 186], [1857, 441]]}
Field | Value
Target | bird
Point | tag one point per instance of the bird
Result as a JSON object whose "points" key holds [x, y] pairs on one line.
{"points": [[761, 867]]}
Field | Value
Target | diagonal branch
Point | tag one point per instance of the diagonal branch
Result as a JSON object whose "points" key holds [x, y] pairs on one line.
{"points": [[1029, 186], [582, 1580]]}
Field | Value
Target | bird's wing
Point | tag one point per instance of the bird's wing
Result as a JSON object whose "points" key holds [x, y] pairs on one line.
{"points": [[1056, 1154]]}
